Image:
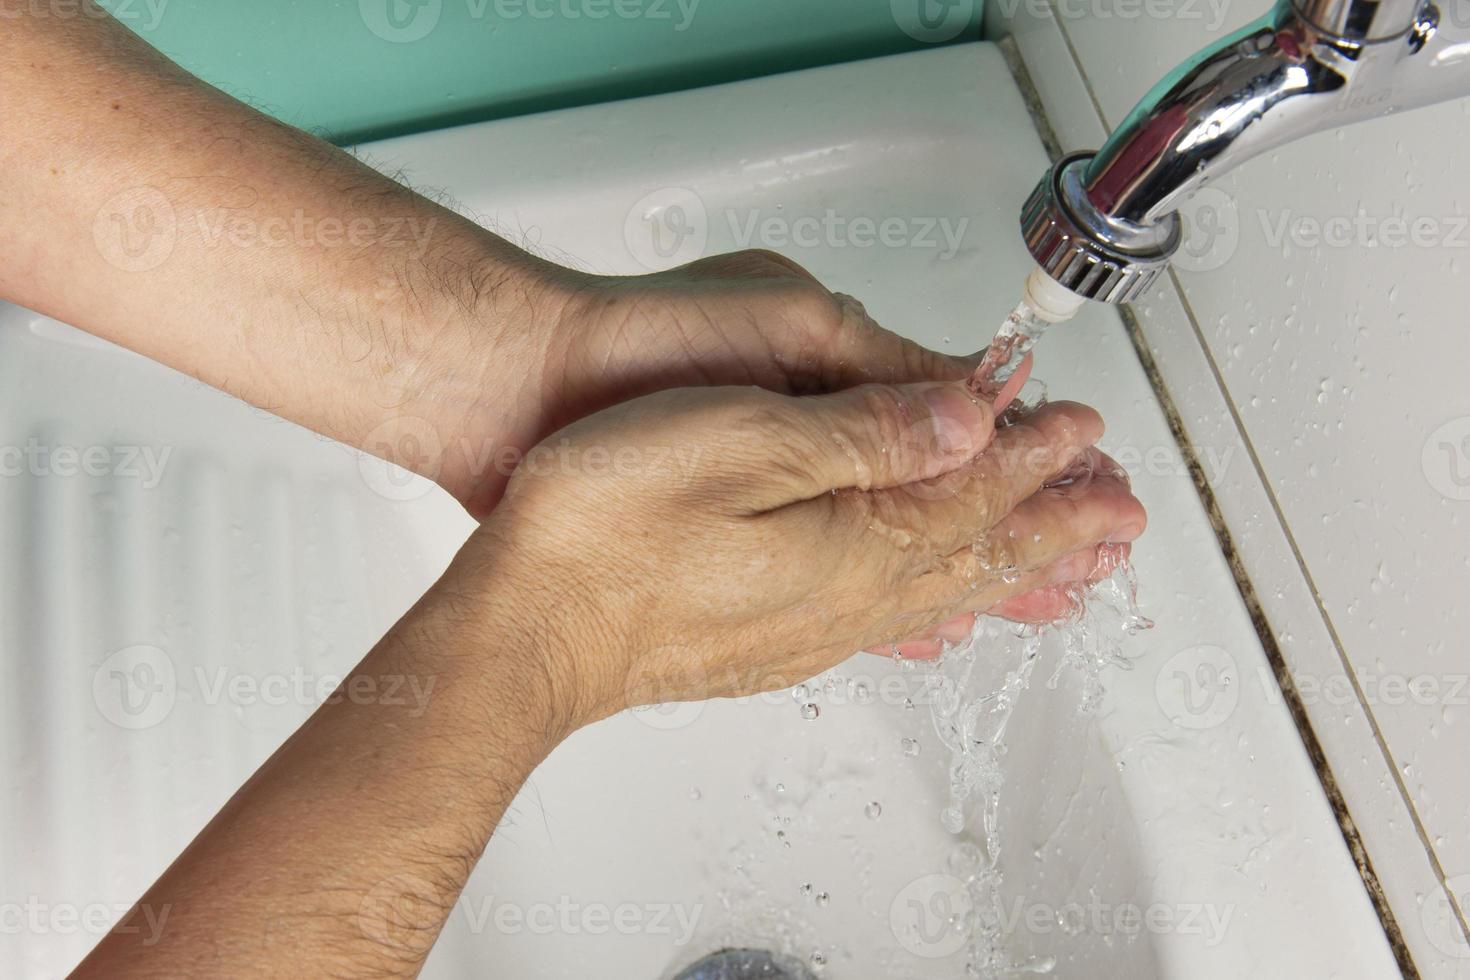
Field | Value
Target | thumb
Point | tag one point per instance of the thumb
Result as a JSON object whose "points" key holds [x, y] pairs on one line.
{"points": [[875, 436]]}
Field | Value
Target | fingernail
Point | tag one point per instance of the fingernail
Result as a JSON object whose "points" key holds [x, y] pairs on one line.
{"points": [[1071, 569], [1127, 532], [956, 629], [953, 416]]}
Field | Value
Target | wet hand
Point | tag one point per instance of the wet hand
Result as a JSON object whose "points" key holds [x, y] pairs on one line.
{"points": [[719, 542], [746, 318]]}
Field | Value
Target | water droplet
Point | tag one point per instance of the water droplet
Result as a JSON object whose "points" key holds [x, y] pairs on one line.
{"points": [[810, 711], [874, 810], [910, 747]]}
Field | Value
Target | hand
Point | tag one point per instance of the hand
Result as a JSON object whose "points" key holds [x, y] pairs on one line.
{"points": [[749, 540], [746, 318]]}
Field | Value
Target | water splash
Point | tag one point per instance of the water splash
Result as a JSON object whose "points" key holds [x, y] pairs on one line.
{"points": [[1013, 341], [971, 716]]}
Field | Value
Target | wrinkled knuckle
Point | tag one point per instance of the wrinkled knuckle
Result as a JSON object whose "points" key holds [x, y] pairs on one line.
{"points": [[920, 362], [759, 414], [777, 441], [819, 313], [1074, 520], [887, 414], [995, 554]]}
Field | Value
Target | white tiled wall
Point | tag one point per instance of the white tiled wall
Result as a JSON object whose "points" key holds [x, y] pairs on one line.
{"points": [[1329, 385]]}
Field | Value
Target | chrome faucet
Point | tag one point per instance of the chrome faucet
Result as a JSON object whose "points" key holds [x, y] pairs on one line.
{"points": [[1104, 225]]}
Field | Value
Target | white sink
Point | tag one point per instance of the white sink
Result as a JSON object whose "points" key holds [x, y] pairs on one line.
{"points": [[652, 839]]}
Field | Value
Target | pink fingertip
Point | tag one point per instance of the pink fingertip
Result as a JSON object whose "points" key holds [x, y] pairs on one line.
{"points": [[1012, 387], [919, 649], [955, 630]]}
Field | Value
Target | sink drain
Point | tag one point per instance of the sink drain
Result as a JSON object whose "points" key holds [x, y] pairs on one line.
{"points": [[745, 964]]}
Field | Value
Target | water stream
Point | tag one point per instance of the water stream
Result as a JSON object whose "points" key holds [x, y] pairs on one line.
{"points": [[971, 693], [1013, 341], [971, 714]]}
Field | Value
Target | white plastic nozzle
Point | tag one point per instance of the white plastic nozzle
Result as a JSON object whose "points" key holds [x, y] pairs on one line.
{"points": [[1052, 301]]}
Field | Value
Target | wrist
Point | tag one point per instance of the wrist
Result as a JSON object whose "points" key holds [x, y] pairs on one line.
{"points": [[562, 643], [501, 678], [469, 400]]}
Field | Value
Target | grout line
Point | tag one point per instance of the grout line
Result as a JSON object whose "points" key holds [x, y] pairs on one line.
{"points": [[1031, 98], [1244, 584], [1420, 830], [1092, 95], [1269, 644]]}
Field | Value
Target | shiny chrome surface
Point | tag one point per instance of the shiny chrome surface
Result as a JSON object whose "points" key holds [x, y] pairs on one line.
{"points": [[1294, 72], [1088, 252]]}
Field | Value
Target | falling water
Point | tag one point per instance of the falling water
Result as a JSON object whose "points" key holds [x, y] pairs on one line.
{"points": [[971, 716], [972, 691], [1013, 341]]}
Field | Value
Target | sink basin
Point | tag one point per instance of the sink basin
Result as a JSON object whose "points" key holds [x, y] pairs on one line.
{"points": [[1177, 830]]}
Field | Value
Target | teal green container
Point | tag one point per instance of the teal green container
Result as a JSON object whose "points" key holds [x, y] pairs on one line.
{"points": [[353, 70]]}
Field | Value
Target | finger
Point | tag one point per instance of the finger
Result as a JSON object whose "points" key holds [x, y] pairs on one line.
{"points": [[869, 437], [1020, 555], [1055, 600], [956, 629], [955, 626], [832, 343], [949, 512], [1055, 522], [862, 351], [1013, 386], [1071, 574], [1044, 595]]}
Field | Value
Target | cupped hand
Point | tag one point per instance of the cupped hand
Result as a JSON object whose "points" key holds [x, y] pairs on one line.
{"points": [[745, 318], [718, 542]]}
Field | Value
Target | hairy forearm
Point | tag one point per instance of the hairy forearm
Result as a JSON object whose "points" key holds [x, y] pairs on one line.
{"points": [[343, 855], [155, 211]]}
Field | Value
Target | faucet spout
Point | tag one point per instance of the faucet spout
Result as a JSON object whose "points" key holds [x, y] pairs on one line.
{"points": [[1105, 224]]}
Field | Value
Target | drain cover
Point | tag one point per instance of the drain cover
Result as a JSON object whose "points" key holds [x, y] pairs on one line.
{"points": [[745, 964]]}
